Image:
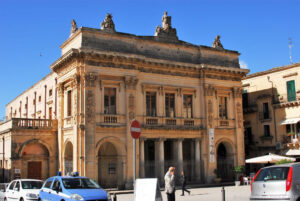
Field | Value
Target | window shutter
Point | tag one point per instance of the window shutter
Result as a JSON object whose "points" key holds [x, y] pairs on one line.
{"points": [[291, 92]]}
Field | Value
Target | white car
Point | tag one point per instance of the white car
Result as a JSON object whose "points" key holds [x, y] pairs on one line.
{"points": [[3, 187], [23, 190]]}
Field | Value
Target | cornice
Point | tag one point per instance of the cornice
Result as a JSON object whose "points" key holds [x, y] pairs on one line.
{"points": [[147, 65]]}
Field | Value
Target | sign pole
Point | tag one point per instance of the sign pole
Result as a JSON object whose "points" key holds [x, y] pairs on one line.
{"points": [[134, 160], [135, 130]]}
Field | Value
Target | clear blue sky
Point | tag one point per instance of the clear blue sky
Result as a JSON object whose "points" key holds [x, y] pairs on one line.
{"points": [[258, 29]]}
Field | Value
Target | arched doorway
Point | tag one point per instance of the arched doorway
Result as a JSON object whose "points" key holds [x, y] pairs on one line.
{"points": [[35, 159], [109, 166], [225, 161], [68, 158]]}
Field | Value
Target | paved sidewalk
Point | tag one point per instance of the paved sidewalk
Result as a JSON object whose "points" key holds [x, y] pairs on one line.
{"points": [[232, 193]]}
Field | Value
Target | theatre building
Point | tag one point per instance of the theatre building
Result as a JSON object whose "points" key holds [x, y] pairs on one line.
{"points": [[187, 98]]}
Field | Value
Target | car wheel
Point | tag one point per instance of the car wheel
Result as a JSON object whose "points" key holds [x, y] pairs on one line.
{"points": [[21, 199], [5, 199]]}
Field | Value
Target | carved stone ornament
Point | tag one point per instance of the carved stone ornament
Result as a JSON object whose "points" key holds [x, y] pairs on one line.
{"points": [[108, 25], [239, 114], [90, 107], [90, 79], [237, 92], [76, 80], [217, 43], [130, 82], [74, 27], [166, 31], [60, 88], [209, 90]]}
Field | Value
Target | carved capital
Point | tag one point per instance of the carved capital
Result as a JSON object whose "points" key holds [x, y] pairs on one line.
{"points": [[60, 88], [237, 92], [75, 80], [130, 82], [90, 79], [209, 90]]}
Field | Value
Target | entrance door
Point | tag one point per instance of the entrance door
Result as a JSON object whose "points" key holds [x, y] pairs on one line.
{"points": [[34, 170]]}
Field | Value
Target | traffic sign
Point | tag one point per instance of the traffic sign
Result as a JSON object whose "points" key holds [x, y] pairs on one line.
{"points": [[135, 129]]}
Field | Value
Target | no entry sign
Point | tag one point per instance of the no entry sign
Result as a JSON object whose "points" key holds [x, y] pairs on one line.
{"points": [[135, 129]]}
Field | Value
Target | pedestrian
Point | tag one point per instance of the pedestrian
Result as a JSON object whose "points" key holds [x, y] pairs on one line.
{"points": [[183, 183], [170, 183]]}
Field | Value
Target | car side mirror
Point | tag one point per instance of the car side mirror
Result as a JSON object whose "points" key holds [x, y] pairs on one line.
{"points": [[16, 189]]}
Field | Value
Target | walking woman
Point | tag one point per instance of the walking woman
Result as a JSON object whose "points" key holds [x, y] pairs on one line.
{"points": [[183, 183]]}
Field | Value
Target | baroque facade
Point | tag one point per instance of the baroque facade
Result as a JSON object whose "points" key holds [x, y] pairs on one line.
{"points": [[271, 111], [187, 98]]}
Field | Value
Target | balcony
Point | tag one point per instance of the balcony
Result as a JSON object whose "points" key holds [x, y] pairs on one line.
{"points": [[110, 120], [171, 123], [282, 101], [226, 123], [24, 123], [265, 116], [250, 109]]}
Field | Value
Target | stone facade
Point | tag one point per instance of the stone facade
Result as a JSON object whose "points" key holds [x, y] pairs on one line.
{"points": [[187, 98], [271, 111]]}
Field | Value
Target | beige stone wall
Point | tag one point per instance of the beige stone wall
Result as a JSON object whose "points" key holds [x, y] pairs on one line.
{"points": [[259, 89], [23, 106]]}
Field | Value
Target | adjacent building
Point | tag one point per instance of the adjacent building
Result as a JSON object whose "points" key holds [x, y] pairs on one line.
{"points": [[271, 111], [187, 98]]}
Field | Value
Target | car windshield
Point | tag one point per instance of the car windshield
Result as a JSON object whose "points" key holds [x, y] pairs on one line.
{"points": [[32, 184], [273, 173], [79, 183]]}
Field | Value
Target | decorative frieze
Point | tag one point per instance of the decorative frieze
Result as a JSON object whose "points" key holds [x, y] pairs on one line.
{"points": [[60, 88]]}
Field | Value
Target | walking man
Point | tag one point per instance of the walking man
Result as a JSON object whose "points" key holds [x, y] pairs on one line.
{"points": [[170, 184], [183, 183]]}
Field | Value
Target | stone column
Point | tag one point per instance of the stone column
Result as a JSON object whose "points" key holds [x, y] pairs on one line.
{"points": [[159, 158], [197, 159], [142, 158], [179, 155]]}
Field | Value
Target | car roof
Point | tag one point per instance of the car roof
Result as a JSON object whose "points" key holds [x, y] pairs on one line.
{"points": [[283, 165], [68, 177], [27, 180]]}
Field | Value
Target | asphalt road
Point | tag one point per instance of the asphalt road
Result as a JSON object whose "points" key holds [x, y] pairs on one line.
{"points": [[232, 193]]}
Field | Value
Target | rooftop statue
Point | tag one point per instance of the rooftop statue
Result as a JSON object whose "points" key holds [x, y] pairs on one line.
{"points": [[74, 27], [166, 31], [217, 43], [108, 24]]}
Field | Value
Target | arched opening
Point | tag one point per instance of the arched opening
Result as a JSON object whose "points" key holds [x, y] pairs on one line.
{"points": [[35, 159], [225, 161], [68, 158], [110, 169]]}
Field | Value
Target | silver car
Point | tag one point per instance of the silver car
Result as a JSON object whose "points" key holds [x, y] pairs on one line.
{"points": [[277, 182]]}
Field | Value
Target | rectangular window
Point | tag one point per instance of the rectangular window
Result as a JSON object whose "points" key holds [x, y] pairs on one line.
{"points": [[50, 112], [151, 104], [288, 128], [291, 91], [170, 104], [266, 130], [266, 111], [50, 92], [69, 102], [223, 107], [111, 168], [40, 98], [188, 106], [110, 101]]}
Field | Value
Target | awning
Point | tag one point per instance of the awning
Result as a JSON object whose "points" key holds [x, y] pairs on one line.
{"points": [[270, 158], [290, 121], [293, 152]]}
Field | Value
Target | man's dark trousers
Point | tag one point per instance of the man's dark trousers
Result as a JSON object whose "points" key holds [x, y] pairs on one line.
{"points": [[171, 196]]}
